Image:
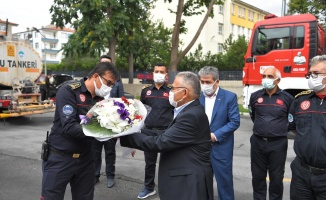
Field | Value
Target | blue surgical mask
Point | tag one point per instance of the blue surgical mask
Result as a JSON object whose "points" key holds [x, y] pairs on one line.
{"points": [[268, 83]]}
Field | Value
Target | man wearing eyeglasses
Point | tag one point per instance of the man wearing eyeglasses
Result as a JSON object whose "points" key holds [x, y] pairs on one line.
{"points": [[308, 118], [71, 156], [185, 171], [269, 109], [156, 96], [109, 146]]}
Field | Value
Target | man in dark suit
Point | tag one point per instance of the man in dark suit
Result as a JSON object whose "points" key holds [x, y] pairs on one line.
{"points": [[185, 171], [221, 107]]}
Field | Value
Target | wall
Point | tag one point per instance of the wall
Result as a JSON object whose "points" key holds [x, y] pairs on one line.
{"points": [[234, 86]]}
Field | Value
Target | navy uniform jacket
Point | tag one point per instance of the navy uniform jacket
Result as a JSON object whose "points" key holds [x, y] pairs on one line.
{"points": [[270, 113], [185, 171], [308, 117], [162, 112], [73, 99]]}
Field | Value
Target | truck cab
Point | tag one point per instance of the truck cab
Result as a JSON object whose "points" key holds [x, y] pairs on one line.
{"points": [[286, 43]]}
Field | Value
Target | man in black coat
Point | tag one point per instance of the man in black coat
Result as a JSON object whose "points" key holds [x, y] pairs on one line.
{"points": [[185, 171]]}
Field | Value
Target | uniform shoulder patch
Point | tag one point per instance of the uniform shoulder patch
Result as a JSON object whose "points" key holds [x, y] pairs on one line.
{"points": [[146, 86], [74, 85], [303, 93]]}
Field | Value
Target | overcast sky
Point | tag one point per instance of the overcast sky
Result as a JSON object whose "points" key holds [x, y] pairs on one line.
{"points": [[35, 13]]}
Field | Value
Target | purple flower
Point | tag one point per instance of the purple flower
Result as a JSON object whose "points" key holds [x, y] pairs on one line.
{"points": [[124, 114]]}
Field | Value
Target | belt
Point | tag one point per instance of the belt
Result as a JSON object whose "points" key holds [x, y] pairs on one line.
{"points": [[270, 139], [156, 128], [61, 153], [314, 170]]}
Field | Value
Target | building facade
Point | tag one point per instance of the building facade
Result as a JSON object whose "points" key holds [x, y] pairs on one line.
{"points": [[47, 41], [234, 17]]}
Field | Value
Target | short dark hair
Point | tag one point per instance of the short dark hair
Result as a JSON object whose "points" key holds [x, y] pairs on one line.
{"points": [[105, 56], [102, 68], [161, 65]]}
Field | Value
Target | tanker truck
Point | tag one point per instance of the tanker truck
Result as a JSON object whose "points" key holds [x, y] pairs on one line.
{"points": [[20, 67]]}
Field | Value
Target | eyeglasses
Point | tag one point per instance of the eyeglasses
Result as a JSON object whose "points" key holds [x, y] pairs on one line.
{"points": [[313, 75], [173, 88], [108, 83]]}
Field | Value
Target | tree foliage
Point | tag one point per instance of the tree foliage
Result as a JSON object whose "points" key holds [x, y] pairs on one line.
{"points": [[190, 8], [315, 7]]}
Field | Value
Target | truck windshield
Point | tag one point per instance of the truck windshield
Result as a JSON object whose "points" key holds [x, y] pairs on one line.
{"points": [[269, 39]]}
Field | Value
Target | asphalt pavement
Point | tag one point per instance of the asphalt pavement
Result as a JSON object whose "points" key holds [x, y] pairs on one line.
{"points": [[21, 174]]}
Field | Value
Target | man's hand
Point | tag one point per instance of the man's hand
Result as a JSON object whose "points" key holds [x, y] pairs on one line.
{"points": [[213, 137]]}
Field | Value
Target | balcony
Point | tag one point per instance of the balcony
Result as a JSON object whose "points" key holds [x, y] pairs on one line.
{"points": [[50, 40], [50, 50]]}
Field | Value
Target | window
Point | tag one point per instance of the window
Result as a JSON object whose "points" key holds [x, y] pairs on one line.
{"points": [[52, 45], [272, 39], [53, 56], [251, 15], [35, 34], [220, 9], [298, 37], [219, 48], [36, 45], [220, 29], [239, 31], [232, 29], [241, 12], [232, 9], [64, 35]]}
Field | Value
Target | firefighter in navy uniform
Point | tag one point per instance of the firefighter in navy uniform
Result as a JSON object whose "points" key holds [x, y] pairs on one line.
{"points": [[155, 95], [269, 109], [71, 158], [308, 119]]}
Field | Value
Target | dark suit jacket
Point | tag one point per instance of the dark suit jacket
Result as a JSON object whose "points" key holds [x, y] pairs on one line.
{"points": [[185, 171]]}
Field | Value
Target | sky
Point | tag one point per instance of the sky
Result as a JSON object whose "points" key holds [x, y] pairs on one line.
{"points": [[35, 13]]}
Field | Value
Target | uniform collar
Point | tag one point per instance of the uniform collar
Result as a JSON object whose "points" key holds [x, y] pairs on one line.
{"points": [[83, 86], [164, 86], [278, 91]]}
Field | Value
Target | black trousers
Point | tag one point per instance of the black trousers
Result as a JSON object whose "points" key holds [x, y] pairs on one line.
{"points": [[268, 156], [150, 165], [305, 184], [110, 157]]}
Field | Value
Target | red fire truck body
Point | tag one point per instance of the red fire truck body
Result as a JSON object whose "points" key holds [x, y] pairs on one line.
{"points": [[286, 43]]}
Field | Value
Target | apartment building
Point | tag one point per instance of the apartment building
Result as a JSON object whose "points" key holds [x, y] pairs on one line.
{"points": [[234, 17], [6, 32], [47, 41]]}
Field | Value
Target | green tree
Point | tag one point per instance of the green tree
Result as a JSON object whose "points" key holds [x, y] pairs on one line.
{"points": [[315, 7], [188, 8], [235, 51], [98, 23]]}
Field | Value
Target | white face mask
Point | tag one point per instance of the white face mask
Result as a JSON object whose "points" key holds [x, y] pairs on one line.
{"points": [[208, 89], [171, 98], [268, 83], [104, 89], [316, 84], [159, 78]]}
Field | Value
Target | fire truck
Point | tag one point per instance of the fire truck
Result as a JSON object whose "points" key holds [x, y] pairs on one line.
{"points": [[286, 43], [20, 67]]}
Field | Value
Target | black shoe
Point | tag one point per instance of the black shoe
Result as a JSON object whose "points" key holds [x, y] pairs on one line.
{"points": [[110, 182], [97, 179]]}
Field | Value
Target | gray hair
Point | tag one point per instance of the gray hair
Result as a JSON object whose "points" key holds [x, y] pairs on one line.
{"points": [[192, 82], [317, 59], [209, 70], [277, 72]]}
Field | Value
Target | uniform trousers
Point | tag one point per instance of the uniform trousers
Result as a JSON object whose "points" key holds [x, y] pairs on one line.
{"points": [[59, 170], [110, 157], [268, 155], [150, 165], [307, 183]]}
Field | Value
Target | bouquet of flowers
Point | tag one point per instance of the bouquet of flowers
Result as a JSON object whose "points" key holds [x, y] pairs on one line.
{"points": [[114, 117]]}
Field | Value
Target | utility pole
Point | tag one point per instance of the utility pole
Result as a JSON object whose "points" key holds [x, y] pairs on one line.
{"points": [[45, 69], [283, 7]]}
